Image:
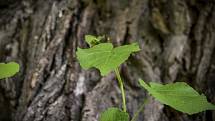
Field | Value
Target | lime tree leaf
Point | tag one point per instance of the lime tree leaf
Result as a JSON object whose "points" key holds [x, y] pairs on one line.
{"points": [[180, 96], [92, 40], [114, 114], [104, 57], [8, 69]]}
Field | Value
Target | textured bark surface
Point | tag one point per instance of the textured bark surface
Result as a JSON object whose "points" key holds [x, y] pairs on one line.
{"points": [[176, 37]]}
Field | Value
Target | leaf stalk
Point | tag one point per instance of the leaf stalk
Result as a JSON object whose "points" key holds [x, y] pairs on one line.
{"points": [[121, 88]]}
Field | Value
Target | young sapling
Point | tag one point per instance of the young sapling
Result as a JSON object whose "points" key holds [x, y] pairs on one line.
{"points": [[106, 58]]}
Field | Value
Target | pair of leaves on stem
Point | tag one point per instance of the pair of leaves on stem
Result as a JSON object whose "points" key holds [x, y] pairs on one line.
{"points": [[179, 95], [8, 69], [104, 57]]}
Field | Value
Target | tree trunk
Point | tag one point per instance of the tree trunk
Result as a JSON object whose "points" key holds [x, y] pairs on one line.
{"points": [[176, 37]]}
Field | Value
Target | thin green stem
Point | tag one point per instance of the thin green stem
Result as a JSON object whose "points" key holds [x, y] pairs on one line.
{"points": [[122, 88], [139, 110]]}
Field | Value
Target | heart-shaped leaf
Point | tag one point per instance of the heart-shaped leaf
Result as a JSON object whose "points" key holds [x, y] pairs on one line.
{"points": [[114, 114], [8, 69], [180, 96], [104, 57]]}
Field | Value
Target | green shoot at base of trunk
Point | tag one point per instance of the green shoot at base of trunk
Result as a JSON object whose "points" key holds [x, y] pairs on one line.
{"points": [[106, 58]]}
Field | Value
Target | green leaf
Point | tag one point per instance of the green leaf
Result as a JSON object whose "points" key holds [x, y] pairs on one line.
{"points": [[180, 96], [8, 69], [104, 57], [114, 114], [92, 40]]}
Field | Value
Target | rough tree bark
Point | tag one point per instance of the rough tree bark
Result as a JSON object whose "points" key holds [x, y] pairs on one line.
{"points": [[176, 37]]}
